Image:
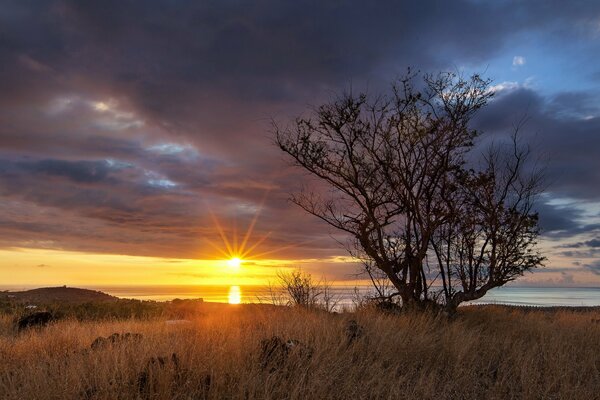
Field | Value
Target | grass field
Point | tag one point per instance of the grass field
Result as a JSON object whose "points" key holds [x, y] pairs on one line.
{"points": [[484, 353]]}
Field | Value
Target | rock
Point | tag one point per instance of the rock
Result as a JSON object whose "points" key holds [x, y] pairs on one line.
{"points": [[37, 319], [114, 339]]}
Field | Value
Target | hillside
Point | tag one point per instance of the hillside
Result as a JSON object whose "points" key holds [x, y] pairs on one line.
{"points": [[61, 294]]}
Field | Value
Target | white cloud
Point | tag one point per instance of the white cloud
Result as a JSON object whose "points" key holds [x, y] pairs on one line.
{"points": [[506, 86], [518, 61], [162, 183], [157, 180], [168, 148]]}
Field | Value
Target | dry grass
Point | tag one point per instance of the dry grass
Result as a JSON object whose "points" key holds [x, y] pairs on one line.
{"points": [[486, 352]]}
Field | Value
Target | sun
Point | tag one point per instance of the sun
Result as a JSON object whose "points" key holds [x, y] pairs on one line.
{"points": [[234, 262], [239, 251]]}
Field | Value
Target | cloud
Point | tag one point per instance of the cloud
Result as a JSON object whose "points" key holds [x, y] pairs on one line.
{"points": [[590, 253], [518, 61], [574, 105], [123, 123], [76, 171], [593, 243], [565, 142], [593, 267], [558, 219], [504, 87]]}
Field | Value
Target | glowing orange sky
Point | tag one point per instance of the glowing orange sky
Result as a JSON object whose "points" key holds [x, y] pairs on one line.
{"points": [[39, 267]]}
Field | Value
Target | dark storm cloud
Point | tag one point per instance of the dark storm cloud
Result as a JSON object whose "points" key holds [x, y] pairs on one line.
{"points": [[585, 249], [566, 142], [588, 253], [126, 120], [77, 171], [161, 54], [574, 105], [593, 243], [566, 145], [555, 219], [564, 221]]}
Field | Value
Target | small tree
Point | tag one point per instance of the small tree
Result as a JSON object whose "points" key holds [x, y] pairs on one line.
{"points": [[401, 188], [302, 290]]}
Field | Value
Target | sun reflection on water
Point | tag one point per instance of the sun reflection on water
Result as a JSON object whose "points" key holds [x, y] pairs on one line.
{"points": [[235, 295]]}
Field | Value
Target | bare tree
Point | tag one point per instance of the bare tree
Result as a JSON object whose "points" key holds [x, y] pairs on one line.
{"points": [[400, 186], [302, 290], [490, 238]]}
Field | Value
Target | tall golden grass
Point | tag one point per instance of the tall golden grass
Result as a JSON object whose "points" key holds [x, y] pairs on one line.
{"points": [[484, 353]]}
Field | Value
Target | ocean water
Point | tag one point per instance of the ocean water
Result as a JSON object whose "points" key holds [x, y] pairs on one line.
{"points": [[543, 296], [513, 295]]}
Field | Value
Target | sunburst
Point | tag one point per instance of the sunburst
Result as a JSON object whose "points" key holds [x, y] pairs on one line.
{"points": [[236, 252]]}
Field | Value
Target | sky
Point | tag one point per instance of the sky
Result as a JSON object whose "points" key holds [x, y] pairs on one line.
{"points": [[135, 135]]}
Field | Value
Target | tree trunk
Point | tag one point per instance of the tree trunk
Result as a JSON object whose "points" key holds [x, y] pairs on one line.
{"points": [[460, 297]]}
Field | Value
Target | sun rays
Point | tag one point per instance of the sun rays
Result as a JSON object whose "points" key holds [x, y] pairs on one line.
{"points": [[236, 250]]}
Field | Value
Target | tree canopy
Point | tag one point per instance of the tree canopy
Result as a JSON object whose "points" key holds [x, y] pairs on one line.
{"points": [[439, 223]]}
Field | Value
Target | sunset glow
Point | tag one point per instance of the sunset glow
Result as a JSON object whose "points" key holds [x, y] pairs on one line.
{"points": [[129, 159], [234, 263]]}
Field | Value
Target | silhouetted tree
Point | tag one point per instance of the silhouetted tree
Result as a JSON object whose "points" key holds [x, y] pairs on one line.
{"points": [[401, 187], [300, 289]]}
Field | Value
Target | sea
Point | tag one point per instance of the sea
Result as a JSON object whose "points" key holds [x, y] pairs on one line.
{"points": [[346, 296]]}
